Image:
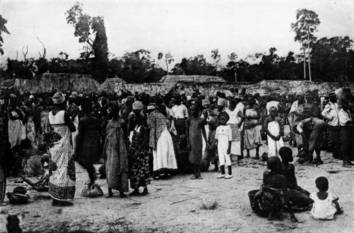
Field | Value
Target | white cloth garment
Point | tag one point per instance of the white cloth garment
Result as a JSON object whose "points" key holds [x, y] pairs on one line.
{"points": [[179, 111], [62, 180], [323, 209], [164, 155], [271, 104], [224, 135], [274, 146], [76, 132], [344, 117], [204, 141], [330, 113]]}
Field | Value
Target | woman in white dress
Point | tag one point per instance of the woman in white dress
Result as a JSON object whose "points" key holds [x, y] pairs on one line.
{"points": [[160, 141], [62, 179]]}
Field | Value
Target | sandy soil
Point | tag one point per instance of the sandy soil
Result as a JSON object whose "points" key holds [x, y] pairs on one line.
{"points": [[175, 205]]}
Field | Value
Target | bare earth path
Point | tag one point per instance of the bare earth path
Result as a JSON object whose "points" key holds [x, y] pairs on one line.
{"points": [[174, 205]]}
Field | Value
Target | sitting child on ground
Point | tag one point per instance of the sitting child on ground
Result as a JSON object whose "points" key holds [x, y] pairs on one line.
{"points": [[325, 205], [299, 197]]}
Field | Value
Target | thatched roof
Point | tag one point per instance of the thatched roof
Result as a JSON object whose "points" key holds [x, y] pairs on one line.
{"points": [[111, 84], [191, 79]]}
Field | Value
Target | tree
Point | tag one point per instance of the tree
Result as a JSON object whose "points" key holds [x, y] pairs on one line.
{"points": [[232, 65], [305, 27], [168, 59], [3, 29], [215, 55], [332, 58], [194, 66], [91, 31], [136, 66]]}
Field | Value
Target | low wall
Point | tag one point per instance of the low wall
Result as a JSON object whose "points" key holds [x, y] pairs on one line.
{"points": [[52, 82], [85, 84]]}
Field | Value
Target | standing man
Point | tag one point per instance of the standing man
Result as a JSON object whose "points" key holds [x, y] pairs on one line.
{"points": [[330, 113], [346, 132]]}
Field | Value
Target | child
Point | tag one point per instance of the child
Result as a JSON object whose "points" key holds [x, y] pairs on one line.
{"points": [[299, 197], [223, 135], [325, 205], [195, 141], [274, 131]]}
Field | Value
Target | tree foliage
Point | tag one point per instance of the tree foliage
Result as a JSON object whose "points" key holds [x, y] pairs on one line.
{"points": [[3, 29], [304, 28], [91, 31]]}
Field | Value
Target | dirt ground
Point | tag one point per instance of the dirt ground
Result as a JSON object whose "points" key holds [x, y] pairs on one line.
{"points": [[174, 205]]}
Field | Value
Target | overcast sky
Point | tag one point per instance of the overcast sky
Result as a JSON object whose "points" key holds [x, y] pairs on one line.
{"points": [[182, 27]]}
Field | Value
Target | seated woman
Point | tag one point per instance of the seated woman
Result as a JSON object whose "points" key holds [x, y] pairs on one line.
{"points": [[299, 198], [271, 199]]}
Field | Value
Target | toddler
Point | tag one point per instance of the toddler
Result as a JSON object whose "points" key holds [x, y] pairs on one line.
{"points": [[325, 205]]}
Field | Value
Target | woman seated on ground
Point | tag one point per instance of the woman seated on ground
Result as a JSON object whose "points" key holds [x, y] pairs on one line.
{"points": [[271, 199], [299, 197]]}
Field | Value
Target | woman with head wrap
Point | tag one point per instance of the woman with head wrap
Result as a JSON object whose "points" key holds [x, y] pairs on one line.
{"points": [[139, 156], [137, 111], [160, 141], [62, 180]]}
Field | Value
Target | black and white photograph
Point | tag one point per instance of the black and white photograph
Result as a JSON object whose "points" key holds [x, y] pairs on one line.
{"points": [[176, 116]]}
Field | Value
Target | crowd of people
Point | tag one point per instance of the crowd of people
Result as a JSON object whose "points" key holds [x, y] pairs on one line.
{"points": [[137, 138]]}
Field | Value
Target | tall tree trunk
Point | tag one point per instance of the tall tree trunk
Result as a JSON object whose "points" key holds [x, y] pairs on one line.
{"points": [[304, 63], [309, 53], [309, 61]]}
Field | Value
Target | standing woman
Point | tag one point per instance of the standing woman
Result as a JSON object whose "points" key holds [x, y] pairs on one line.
{"points": [[252, 130], [139, 159], [115, 154], [62, 180], [160, 141]]}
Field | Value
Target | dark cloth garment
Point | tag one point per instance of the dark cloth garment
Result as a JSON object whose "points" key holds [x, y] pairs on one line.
{"points": [[116, 157], [265, 201], [274, 180], [88, 141], [196, 170], [210, 150], [139, 158], [195, 140], [289, 172], [299, 198], [270, 197], [346, 142], [180, 125], [333, 134], [313, 135], [2, 183], [88, 166]]}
